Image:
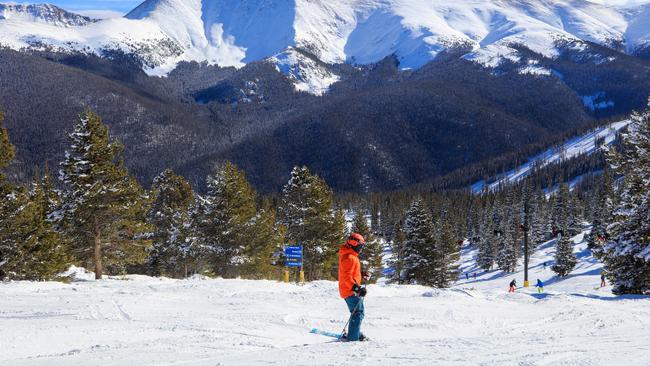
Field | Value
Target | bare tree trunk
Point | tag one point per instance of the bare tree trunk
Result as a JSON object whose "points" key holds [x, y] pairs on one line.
{"points": [[98, 251]]}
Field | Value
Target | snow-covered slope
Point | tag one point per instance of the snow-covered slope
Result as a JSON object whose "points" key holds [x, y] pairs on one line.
{"points": [[584, 279], [235, 32], [581, 145], [138, 320]]}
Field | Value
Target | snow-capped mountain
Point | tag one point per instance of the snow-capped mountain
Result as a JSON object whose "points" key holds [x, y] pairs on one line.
{"points": [[43, 13], [235, 32]]}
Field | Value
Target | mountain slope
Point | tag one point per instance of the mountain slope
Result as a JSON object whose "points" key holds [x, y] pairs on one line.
{"points": [[586, 144], [235, 32]]}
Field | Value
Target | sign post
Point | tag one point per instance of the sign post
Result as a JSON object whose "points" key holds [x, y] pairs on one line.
{"points": [[293, 259]]}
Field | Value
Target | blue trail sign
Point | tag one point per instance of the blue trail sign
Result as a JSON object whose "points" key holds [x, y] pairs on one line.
{"points": [[293, 256]]}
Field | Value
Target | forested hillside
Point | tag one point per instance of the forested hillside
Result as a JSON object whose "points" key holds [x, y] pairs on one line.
{"points": [[378, 128]]}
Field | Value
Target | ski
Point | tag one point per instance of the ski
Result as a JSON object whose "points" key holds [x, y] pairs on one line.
{"points": [[326, 333]]}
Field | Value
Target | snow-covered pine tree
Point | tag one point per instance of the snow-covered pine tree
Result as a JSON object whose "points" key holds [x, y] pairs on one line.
{"points": [[373, 251], [229, 214], [537, 231], [574, 218], [560, 216], [508, 253], [627, 252], [601, 214], [510, 248], [398, 251], [565, 260], [485, 255], [306, 210], [420, 252], [34, 250], [104, 207], [168, 215], [487, 239]]}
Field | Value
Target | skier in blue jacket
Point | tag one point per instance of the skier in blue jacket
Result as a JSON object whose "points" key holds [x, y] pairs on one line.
{"points": [[540, 286]]}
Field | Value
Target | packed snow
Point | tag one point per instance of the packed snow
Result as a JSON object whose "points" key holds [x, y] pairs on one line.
{"points": [[582, 145], [235, 32], [139, 320]]}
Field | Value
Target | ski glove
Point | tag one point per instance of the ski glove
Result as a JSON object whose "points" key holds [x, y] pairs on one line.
{"points": [[359, 291]]}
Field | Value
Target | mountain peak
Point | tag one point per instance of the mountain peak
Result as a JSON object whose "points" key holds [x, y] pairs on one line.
{"points": [[43, 13], [236, 32]]}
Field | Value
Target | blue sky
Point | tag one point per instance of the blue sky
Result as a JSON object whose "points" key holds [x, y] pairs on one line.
{"points": [[121, 6]]}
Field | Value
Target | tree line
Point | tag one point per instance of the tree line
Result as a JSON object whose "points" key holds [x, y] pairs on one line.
{"points": [[96, 215]]}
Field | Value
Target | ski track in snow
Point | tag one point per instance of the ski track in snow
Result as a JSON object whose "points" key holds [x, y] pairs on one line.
{"points": [[140, 320]]}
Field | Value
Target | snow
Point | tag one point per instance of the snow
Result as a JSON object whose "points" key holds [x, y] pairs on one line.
{"points": [[532, 69], [159, 321], [305, 73], [42, 13], [235, 32], [581, 145]]}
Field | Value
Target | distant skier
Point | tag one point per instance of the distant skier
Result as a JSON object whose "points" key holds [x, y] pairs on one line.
{"points": [[544, 265], [350, 284], [540, 286], [513, 286], [474, 275], [602, 280], [467, 276]]}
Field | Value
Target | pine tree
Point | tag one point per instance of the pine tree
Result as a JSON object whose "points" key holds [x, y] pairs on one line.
{"points": [[104, 207], [373, 252], [565, 260], [33, 249], [510, 245], [448, 255], [601, 214], [574, 222], [7, 150], [227, 223], [168, 215], [306, 210], [419, 253], [487, 239], [7, 197], [561, 209], [265, 245], [398, 251], [537, 230], [375, 224], [627, 253]]}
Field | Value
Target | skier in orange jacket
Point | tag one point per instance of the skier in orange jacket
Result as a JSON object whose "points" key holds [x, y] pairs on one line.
{"points": [[350, 283]]}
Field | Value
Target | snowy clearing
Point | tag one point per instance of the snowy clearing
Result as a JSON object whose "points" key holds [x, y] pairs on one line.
{"points": [[142, 321]]}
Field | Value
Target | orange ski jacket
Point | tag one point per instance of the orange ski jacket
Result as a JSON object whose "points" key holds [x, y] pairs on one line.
{"points": [[349, 271]]}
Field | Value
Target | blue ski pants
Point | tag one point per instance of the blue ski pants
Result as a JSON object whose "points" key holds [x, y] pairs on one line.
{"points": [[354, 330]]}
